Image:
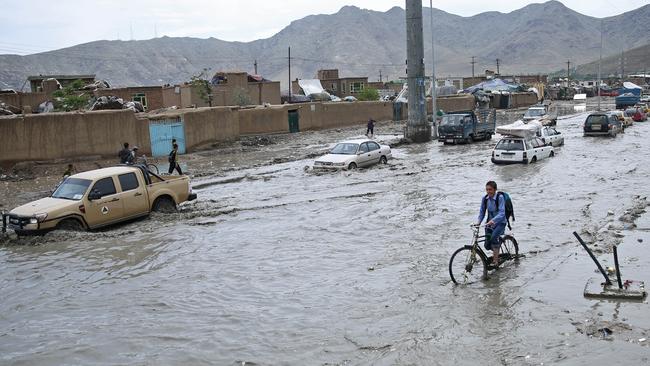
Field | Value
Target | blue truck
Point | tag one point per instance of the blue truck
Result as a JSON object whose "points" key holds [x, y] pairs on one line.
{"points": [[467, 126]]}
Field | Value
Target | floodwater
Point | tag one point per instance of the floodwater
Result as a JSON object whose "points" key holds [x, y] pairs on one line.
{"points": [[276, 265]]}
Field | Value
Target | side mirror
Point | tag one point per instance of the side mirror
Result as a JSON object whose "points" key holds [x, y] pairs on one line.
{"points": [[94, 195]]}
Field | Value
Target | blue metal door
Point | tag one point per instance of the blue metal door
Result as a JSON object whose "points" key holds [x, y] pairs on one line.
{"points": [[162, 132]]}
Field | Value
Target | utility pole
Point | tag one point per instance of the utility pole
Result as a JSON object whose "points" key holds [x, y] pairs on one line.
{"points": [[622, 64], [568, 72], [473, 63], [380, 78], [434, 108], [417, 128], [255, 66], [498, 70], [290, 85], [600, 61]]}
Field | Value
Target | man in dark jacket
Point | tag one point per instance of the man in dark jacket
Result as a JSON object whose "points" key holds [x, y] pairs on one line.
{"points": [[173, 162], [125, 154], [370, 131]]}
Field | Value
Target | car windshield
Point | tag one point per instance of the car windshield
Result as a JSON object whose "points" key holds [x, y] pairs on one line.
{"points": [[452, 119], [534, 112], [510, 145], [598, 119], [72, 189], [345, 149]]}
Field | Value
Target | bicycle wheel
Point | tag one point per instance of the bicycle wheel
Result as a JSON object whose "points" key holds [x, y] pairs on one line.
{"points": [[509, 249], [467, 266], [153, 168]]}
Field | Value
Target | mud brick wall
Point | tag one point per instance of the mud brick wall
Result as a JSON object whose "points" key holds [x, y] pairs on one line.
{"points": [[261, 120], [68, 135], [203, 125], [314, 116]]}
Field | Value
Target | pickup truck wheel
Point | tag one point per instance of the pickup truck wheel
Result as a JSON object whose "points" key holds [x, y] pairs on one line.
{"points": [[383, 160], [534, 159], [164, 205], [552, 154], [70, 225]]}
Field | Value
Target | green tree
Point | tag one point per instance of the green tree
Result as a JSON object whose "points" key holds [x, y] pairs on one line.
{"points": [[368, 94], [202, 86], [70, 98], [241, 97]]}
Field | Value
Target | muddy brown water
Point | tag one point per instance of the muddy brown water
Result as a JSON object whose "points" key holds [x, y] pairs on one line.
{"points": [[276, 265]]}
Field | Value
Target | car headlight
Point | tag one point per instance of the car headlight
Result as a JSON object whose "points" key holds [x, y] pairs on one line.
{"points": [[318, 163], [339, 164], [39, 217]]}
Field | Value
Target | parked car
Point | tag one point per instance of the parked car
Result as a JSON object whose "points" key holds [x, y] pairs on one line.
{"points": [[640, 115], [540, 112], [352, 154], [512, 150], [550, 135], [626, 121], [467, 126], [99, 198], [602, 124]]}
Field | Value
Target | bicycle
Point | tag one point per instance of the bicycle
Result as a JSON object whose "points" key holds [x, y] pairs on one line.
{"points": [[469, 264], [142, 160]]}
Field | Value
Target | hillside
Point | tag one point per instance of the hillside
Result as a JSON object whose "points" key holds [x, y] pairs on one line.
{"points": [[536, 38], [636, 61]]}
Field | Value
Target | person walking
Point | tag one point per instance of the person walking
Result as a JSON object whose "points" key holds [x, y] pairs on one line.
{"points": [[173, 160], [370, 131], [125, 154]]}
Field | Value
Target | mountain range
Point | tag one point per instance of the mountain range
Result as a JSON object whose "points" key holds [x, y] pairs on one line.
{"points": [[358, 42], [636, 60]]}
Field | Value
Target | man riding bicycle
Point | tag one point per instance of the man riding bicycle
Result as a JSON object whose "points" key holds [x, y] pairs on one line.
{"points": [[496, 220]]}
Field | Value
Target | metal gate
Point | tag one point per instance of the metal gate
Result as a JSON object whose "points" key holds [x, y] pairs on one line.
{"points": [[162, 132], [294, 118]]}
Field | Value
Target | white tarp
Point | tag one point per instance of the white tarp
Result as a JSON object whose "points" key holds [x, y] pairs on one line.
{"points": [[629, 85], [311, 86], [520, 128]]}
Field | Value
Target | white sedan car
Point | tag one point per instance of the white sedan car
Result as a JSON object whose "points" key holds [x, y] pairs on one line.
{"points": [[550, 136], [354, 154], [512, 150]]}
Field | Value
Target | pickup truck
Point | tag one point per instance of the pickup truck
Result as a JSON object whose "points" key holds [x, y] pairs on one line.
{"points": [[467, 126], [98, 198]]}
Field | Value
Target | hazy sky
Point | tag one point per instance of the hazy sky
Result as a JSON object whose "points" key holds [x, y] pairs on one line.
{"points": [[30, 26]]}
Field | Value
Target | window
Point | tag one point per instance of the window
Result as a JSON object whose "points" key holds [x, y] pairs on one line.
{"points": [[510, 145], [373, 146], [72, 189], [333, 87], [105, 187], [140, 97], [356, 87], [128, 182], [363, 148]]}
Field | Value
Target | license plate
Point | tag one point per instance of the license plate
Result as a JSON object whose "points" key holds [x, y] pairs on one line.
{"points": [[595, 127], [450, 140]]}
